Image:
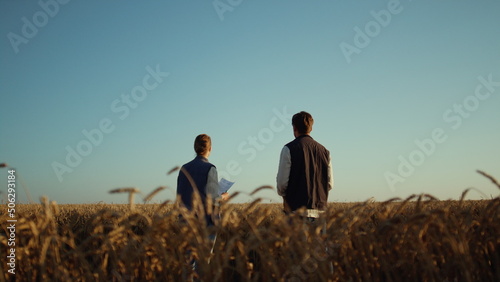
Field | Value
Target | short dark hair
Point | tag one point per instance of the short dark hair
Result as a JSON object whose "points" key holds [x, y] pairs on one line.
{"points": [[303, 122], [202, 144]]}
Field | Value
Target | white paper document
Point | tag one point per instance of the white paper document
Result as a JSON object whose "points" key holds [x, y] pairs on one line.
{"points": [[224, 185]]}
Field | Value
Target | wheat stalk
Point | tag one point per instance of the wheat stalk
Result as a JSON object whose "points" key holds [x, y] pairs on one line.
{"points": [[153, 193], [416, 239], [131, 194], [489, 177]]}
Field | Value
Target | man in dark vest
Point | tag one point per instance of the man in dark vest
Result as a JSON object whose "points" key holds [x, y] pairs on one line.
{"points": [[196, 183], [305, 172], [199, 176]]}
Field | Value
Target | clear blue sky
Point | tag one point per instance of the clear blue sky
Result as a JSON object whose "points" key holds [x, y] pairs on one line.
{"points": [[142, 79]]}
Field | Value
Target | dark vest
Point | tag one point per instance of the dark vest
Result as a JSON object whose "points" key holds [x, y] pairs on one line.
{"points": [[198, 169], [308, 180]]}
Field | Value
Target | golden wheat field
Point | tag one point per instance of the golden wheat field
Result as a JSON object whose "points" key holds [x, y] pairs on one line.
{"points": [[416, 239]]}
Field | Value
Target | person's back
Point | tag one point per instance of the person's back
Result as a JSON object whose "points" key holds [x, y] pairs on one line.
{"points": [[199, 176], [305, 172], [193, 178], [308, 180]]}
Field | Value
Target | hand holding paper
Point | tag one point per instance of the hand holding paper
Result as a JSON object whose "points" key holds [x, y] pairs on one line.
{"points": [[224, 186]]}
